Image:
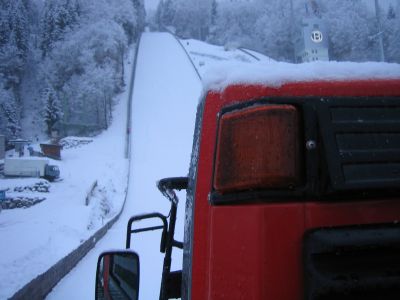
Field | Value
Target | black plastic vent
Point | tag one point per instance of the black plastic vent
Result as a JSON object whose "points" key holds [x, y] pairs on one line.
{"points": [[352, 263], [362, 142]]}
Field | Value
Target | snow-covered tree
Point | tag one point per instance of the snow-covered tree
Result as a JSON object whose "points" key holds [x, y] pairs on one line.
{"points": [[14, 35], [351, 30], [185, 20], [86, 65], [273, 30], [125, 14], [269, 26], [52, 110], [9, 113], [168, 12], [140, 14], [78, 46], [13, 41], [18, 27], [59, 17], [391, 14], [11, 63], [191, 18], [391, 34], [89, 97], [86, 71], [214, 12], [235, 24], [165, 13], [158, 14]]}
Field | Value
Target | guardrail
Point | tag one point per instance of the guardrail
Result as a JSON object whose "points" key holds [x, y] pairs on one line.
{"points": [[38, 288], [129, 118], [248, 53], [184, 49]]}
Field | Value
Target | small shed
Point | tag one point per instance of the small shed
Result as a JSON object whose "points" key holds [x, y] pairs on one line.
{"points": [[51, 150]]}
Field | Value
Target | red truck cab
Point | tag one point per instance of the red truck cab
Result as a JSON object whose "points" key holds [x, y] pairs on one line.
{"points": [[293, 193]]}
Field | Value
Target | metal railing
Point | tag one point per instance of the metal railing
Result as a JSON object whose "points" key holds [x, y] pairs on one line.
{"points": [[184, 49]]}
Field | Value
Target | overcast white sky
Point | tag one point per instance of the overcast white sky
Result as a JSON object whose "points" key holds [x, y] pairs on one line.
{"points": [[152, 4]]}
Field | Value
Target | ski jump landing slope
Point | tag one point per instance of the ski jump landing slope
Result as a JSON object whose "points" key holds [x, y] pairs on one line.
{"points": [[165, 97]]}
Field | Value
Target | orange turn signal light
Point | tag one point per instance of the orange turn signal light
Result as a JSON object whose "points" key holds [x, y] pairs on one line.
{"points": [[258, 148]]}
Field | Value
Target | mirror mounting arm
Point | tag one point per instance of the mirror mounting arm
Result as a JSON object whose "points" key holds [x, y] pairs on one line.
{"points": [[167, 187], [170, 281], [164, 227]]}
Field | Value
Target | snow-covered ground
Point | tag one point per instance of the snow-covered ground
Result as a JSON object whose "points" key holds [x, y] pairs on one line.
{"points": [[205, 55], [166, 93], [35, 238]]}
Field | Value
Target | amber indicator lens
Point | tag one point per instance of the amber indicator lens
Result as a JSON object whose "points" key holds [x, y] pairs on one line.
{"points": [[258, 148]]}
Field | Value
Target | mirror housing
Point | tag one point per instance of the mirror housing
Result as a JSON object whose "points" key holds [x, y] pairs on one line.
{"points": [[117, 275]]}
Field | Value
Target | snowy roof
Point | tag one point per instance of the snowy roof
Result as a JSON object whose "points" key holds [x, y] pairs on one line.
{"points": [[275, 74]]}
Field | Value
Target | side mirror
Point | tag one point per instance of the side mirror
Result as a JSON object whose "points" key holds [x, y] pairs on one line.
{"points": [[117, 276]]}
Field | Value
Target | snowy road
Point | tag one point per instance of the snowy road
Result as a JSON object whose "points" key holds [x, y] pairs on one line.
{"points": [[165, 98]]}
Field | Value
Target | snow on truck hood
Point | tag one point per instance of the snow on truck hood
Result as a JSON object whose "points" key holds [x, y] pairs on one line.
{"points": [[275, 74]]}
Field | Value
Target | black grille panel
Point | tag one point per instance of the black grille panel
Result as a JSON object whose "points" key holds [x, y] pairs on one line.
{"points": [[360, 114], [352, 263], [362, 142], [375, 173]]}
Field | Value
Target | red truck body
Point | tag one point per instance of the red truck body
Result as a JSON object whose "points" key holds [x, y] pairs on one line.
{"points": [[253, 246], [293, 193]]}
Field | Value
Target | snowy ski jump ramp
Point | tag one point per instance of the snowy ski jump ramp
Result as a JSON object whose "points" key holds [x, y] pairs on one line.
{"points": [[165, 96]]}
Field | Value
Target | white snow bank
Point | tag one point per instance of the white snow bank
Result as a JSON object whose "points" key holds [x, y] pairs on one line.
{"points": [[204, 55], [275, 74]]}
